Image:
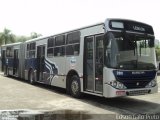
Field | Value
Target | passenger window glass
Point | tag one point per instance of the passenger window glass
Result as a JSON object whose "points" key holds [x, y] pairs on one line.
{"points": [[9, 52], [89, 48], [51, 42], [73, 37], [50, 52], [60, 40], [28, 47], [59, 51], [31, 47], [69, 50], [76, 49]]}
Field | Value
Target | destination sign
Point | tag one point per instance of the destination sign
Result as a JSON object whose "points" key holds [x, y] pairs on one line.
{"points": [[139, 28], [131, 26]]}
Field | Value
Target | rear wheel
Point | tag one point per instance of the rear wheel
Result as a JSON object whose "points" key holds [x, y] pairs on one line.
{"points": [[75, 87], [31, 77]]}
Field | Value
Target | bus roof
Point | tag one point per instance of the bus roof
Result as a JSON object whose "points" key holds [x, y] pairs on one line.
{"points": [[120, 19], [11, 44], [43, 37]]}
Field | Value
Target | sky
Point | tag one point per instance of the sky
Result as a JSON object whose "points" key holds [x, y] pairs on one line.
{"points": [[49, 17]]}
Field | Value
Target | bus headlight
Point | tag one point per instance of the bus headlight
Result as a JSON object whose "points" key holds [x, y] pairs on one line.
{"points": [[114, 84], [152, 84], [117, 85], [120, 85]]}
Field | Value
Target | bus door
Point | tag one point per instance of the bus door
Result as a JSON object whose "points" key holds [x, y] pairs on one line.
{"points": [[15, 62], [3, 59], [93, 64], [40, 62]]}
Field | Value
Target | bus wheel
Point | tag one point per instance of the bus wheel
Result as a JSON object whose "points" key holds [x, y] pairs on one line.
{"points": [[75, 88], [31, 77]]}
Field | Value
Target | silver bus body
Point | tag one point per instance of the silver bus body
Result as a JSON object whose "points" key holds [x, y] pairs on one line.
{"points": [[48, 61]]}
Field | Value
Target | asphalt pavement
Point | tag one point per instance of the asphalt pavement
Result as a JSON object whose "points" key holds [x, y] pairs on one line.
{"points": [[19, 95]]}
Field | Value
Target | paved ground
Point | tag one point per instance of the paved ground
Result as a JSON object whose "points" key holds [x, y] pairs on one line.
{"points": [[158, 80], [17, 94]]}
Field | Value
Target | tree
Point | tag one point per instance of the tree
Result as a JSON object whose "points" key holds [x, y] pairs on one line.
{"points": [[6, 37], [35, 35], [22, 38]]}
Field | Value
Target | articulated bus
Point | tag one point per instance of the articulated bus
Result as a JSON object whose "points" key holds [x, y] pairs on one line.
{"points": [[110, 59]]}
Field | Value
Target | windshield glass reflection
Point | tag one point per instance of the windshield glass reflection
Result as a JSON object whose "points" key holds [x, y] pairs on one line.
{"points": [[129, 51]]}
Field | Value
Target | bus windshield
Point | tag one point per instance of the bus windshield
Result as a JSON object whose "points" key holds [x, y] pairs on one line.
{"points": [[129, 51]]}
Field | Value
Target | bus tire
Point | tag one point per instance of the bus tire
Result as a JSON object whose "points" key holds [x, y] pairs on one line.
{"points": [[31, 77], [75, 87]]}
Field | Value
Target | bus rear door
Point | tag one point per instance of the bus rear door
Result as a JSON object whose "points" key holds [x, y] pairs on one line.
{"points": [[3, 59], [15, 63], [40, 62]]}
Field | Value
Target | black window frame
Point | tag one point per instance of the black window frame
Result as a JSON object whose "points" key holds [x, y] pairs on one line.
{"points": [[32, 46], [31, 50], [9, 51], [61, 47], [50, 46], [73, 39]]}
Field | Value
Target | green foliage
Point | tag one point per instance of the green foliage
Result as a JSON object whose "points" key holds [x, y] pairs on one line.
{"points": [[35, 35], [6, 37], [25, 38], [22, 38]]}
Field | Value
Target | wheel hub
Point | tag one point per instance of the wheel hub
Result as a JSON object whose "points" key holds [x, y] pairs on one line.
{"points": [[74, 87]]}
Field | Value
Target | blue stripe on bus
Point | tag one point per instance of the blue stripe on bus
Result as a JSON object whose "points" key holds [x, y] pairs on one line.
{"points": [[31, 63], [52, 69]]}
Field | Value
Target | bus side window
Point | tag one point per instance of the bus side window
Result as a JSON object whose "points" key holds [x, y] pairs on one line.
{"points": [[50, 47], [73, 43], [59, 48]]}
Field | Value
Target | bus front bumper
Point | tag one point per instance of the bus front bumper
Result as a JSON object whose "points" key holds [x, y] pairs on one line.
{"points": [[110, 92]]}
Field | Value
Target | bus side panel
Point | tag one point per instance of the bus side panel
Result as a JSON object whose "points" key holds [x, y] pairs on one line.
{"points": [[59, 78], [76, 62], [29, 64]]}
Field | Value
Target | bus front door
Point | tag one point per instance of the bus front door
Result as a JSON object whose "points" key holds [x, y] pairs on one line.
{"points": [[40, 62], [93, 64]]}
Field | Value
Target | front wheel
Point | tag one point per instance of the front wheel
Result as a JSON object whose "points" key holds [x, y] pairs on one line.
{"points": [[75, 87]]}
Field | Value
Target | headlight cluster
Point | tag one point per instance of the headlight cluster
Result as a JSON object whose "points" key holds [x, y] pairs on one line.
{"points": [[152, 84], [117, 85]]}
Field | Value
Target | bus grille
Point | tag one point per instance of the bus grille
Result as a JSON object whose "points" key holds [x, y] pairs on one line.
{"points": [[135, 81], [138, 92]]}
